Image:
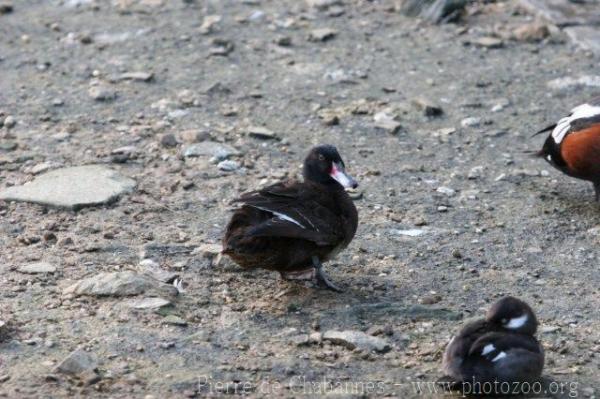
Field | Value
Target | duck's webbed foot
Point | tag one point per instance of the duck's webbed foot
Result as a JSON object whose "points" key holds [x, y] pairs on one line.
{"points": [[322, 277]]}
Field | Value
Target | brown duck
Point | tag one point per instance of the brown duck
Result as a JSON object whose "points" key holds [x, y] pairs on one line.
{"points": [[293, 227]]}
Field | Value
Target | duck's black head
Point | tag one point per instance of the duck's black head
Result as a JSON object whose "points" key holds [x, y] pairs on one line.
{"points": [[513, 315], [325, 166], [550, 150]]}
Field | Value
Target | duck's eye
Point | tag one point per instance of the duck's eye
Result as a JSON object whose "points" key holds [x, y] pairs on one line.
{"points": [[321, 157]]}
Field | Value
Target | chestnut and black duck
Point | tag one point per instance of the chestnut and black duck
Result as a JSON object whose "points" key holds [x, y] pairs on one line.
{"points": [[502, 347], [293, 227]]}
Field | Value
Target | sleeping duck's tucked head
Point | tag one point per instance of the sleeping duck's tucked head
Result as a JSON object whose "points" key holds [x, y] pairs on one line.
{"points": [[513, 315], [324, 165]]}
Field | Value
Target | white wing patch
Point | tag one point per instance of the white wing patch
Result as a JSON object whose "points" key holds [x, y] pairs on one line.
{"points": [[517, 322], [308, 220], [487, 349], [285, 217], [564, 125], [500, 355], [281, 216]]}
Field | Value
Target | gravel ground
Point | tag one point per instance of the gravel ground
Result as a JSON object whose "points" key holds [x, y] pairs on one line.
{"points": [[453, 213]]}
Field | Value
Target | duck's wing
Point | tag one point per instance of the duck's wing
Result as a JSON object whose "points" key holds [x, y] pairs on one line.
{"points": [[459, 346], [505, 357], [496, 346], [581, 117], [296, 212]]}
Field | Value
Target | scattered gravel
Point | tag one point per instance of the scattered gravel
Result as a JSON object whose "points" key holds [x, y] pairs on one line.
{"points": [[128, 127]]}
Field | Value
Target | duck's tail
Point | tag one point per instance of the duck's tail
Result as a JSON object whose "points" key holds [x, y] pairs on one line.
{"points": [[544, 130]]}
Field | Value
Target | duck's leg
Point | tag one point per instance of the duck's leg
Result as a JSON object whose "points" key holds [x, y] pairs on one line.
{"points": [[597, 190], [322, 277]]}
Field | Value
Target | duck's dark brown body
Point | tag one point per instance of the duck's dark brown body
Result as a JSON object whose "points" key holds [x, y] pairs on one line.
{"points": [[502, 347], [463, 361], [283, 226]]}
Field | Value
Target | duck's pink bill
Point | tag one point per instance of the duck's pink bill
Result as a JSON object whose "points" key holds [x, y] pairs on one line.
{"points": [[340, 175]]}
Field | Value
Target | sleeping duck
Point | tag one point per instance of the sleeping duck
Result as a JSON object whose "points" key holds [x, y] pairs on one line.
{"points": [[293, 227], [502, 347]]}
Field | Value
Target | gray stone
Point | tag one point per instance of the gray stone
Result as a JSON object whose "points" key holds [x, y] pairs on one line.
{"points": [[168, 140], [357, 339], [139, 76], [569, 82], [563, 12], [210, 149], [430, 299], [586, 37], [177, 114], [208, 250], [475, 173], [531, 32], [194, 136], [257, 16], [149, 303], [386, 121], [220, 47], [8, 146], [549, 329], [228, 165], [113, 38], [78, 362], [323, 4], [436, 11], [488, 42], [408, 233], [321, 34], [262, 133], [300, 340], [10, 121], [120, 284], [209, 24], [500, 104], [470, 122], [38, 267], [152, 269], [428, 108], [73, 188], [40, 168], [446, 190], [174, 320], [102, 93]]}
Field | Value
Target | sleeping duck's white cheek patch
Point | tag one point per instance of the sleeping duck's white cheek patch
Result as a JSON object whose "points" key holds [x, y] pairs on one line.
{"points": [[517, 322]]}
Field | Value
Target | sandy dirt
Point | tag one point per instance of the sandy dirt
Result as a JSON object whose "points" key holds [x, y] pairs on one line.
{"points": [[453, 213]]}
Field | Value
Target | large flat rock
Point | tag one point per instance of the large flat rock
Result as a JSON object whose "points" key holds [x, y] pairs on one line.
{"points": [[564, 12], [581, 21], [120, 284], [73, 188], [357, 339], [586, 37]]}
